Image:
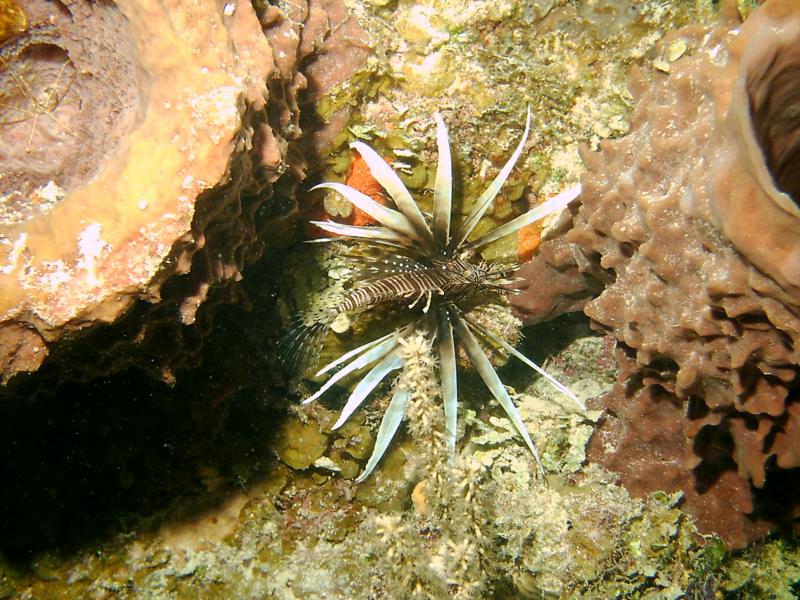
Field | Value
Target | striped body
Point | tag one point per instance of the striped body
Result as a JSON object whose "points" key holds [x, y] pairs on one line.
{"points": [[450, 278]]}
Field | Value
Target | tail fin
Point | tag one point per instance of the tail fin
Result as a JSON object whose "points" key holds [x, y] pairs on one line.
{"points": [[301, 339]]}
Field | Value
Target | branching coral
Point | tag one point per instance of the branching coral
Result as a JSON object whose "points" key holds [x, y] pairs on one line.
{"points": [[411, 257]]}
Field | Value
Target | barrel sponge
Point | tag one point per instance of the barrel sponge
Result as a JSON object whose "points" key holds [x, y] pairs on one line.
{"points": [[754, 160], [691, 222]]}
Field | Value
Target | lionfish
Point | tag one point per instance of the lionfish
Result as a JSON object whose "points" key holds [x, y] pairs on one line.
{"points": [[418, 258]]}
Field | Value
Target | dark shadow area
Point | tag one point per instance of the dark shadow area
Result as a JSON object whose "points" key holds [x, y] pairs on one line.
{"points": [[81, 462], [779, 500], [548, 339], [543, 342]]}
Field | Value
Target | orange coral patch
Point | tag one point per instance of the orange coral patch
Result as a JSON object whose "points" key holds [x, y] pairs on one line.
{"points": [[528, 241], [360, 178]]}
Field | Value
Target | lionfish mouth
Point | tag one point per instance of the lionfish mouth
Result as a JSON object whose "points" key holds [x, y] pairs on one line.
{"points": [[435, 267]]}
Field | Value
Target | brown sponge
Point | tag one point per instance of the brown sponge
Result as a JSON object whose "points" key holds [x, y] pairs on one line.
{"points": [[691, 223]]}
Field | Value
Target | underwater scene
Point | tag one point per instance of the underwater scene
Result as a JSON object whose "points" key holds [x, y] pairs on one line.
{"points": [[394, 299]]}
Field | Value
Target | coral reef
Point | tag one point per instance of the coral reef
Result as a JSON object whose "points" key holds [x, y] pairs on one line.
{"points": [[482, 65], [689, 223], [220, 486], [158, 190], [480, 527]]}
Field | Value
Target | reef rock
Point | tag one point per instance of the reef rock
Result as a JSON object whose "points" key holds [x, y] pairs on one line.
{"points": [[691, 224], [140, 144], [121, 117]]}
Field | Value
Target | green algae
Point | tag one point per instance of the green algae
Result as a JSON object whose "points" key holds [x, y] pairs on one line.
{"points": [[746, 7], [483, 65], [370, 80], [768, 570], [300, 444]]}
